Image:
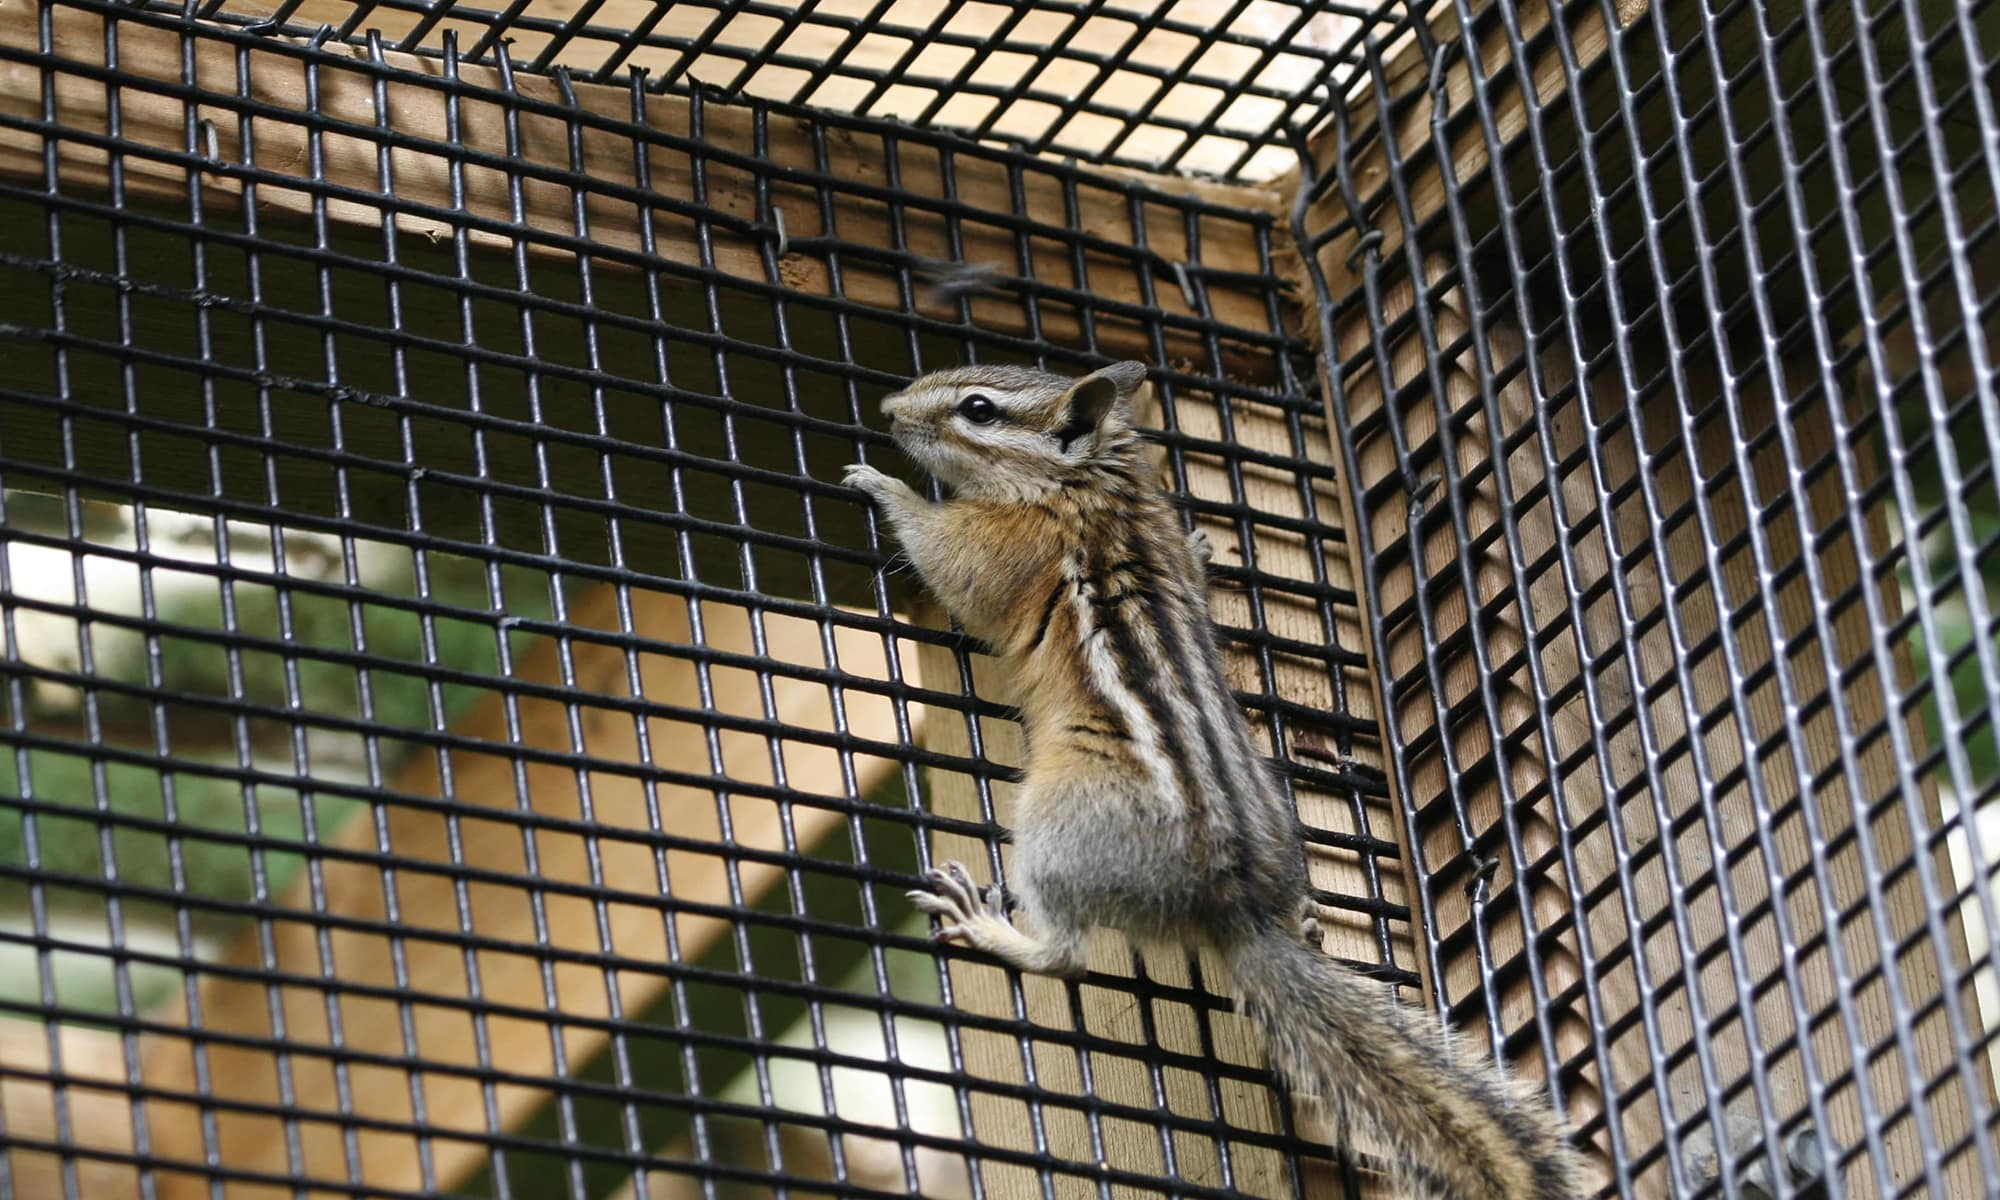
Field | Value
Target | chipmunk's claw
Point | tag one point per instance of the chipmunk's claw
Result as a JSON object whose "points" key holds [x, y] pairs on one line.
{"points": [[1311, 932], [1202, 549], [864, 478], [957, 902], [886, 492]]}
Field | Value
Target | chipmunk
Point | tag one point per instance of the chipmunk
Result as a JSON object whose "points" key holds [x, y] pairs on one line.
{"points": [[1143, 804]]}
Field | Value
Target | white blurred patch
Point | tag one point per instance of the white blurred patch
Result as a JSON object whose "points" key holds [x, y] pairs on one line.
{"points": [[77, 577]]}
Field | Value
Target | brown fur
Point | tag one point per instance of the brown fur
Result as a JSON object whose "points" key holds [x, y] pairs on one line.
{"points": [[1143, 805]]}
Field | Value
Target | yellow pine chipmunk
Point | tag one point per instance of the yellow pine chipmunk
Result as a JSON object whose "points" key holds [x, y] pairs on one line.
{"points": [[1143, 804]]}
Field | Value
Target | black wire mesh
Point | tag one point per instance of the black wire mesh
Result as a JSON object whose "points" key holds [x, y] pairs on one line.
{"points": [[459, 739], [1213, 86], [1660, 342]]}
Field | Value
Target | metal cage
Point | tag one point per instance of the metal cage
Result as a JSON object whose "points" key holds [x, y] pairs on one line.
{"points": [[460, 737]]}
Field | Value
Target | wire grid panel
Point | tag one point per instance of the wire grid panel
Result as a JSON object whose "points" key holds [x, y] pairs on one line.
{"points": [[1212, 86], [458, 737], [1666, 389]]}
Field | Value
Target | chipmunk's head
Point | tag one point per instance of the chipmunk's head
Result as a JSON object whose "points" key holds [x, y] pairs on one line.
{"points": [[1014, 429]]}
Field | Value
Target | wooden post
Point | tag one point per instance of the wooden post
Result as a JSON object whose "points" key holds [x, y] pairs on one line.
{"points": [[843, 32]]}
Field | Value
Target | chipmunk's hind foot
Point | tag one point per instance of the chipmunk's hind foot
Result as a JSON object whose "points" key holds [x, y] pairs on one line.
{"points": [[978, 918]]}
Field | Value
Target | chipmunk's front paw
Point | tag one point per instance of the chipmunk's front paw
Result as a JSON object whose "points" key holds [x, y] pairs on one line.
{"points": [[875, 484], [1203, 550], [1311, 932], [965, 912]]}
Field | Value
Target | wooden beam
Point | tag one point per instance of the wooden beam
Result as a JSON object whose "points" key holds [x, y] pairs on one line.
{"points": [[650, 1092], [863, 1098], [1454, 683], [543, 934]]}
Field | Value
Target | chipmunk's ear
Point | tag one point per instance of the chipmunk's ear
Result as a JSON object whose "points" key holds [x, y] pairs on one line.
{"points": [[1097, 396]]}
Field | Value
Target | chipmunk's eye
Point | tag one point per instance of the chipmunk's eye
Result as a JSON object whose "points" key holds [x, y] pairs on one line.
{"points": [[978, 409]]}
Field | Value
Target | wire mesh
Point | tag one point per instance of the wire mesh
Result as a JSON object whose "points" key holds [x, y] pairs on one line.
{"points": [[1213, 86], [458, 738], [1659, 341]]}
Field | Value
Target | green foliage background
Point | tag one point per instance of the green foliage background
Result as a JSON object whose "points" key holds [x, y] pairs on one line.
{"points": [[235, 841]]}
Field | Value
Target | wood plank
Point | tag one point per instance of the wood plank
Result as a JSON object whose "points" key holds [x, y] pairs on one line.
{"points": [[551, 936], [1381, 155], [72, 1097], [853, 1160], [1854, 841], [1318, 685], [1470, 579]]}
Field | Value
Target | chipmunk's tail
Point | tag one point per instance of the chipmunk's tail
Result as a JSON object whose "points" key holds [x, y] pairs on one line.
{"points": [[1454, 1127]]}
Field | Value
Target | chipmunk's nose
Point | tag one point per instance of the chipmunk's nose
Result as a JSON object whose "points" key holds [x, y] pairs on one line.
{"points": [[893, 405]]}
